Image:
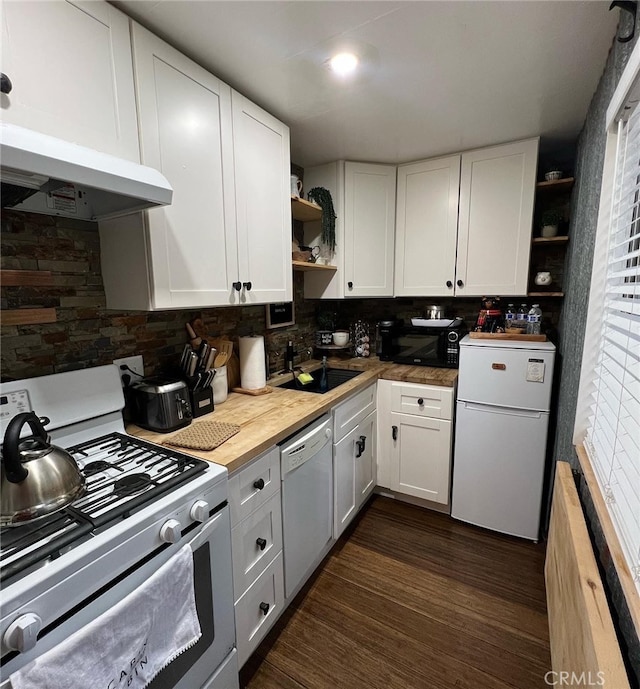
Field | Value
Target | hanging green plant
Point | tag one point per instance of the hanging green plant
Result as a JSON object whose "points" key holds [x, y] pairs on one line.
{"points": [[322, 197]]}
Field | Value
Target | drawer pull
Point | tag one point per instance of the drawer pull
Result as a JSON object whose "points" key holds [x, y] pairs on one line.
{"points": [[360, 444], [394, 432], [261, 543], [420, 401], [259, 484], [499, 367], [264, 607]]}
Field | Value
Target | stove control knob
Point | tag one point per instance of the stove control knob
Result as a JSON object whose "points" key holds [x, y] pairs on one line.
{"points": [[199, 511], [170, 531], [22, 634]]}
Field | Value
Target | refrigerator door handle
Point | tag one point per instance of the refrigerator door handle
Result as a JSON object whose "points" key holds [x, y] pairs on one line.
{"points": [[510, 411]]}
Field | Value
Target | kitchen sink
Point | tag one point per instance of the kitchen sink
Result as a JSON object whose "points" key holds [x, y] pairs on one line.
{"points": [[335, 378]]}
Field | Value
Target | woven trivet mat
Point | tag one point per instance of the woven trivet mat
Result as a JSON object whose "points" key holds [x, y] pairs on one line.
{"points": [[206, 435]]}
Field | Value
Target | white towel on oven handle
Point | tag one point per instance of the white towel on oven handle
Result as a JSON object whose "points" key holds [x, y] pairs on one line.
{"points": [[127, 646]]}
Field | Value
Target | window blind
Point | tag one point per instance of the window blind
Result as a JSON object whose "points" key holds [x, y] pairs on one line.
{"points": [[613, 428]]}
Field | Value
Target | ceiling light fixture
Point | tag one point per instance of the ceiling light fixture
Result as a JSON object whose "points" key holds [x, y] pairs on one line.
{"points": [[343, 64]]}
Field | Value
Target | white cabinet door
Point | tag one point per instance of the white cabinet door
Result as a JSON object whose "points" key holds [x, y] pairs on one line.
{"points": [[365, 458], [185, 122], [421, 457], [72, 74], [369, 209], [354, 472], [427, 227], [344, 482], [263, 203], [497, 187]]}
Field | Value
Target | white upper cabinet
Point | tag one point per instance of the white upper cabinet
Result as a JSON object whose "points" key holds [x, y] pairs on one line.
{"points": [[497, 188], [225, 239], [71, 70], [364, 198], [369, 221], [427, 227], [185, 125], [464, 223], [263, 203]]}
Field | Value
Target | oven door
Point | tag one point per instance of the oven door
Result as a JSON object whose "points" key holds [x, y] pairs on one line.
{"points": [[211, 545]]}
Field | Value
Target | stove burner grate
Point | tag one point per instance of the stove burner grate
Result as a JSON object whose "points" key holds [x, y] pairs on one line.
{"points": [[145, 472]]}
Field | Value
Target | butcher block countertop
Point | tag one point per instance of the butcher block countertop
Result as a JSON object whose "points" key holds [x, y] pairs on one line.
{"points": [[268, 419]]}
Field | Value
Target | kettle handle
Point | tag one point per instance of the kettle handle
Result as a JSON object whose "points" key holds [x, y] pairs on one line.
{"points": [[14, 469]]}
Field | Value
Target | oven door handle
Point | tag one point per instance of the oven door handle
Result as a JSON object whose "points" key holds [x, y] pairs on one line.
{"points": [[207, 529]]}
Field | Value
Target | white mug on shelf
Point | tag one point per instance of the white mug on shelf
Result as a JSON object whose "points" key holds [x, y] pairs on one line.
{"points": [[296, 186]]}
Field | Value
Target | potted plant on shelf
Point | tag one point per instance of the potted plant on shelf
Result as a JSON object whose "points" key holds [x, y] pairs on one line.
{"points": [[550, 221]]}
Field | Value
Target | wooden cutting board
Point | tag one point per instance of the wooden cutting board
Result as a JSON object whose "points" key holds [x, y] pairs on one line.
{"points": [[521, 337]]}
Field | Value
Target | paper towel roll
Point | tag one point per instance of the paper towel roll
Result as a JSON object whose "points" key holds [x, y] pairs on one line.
{"points": [[253, 375]]}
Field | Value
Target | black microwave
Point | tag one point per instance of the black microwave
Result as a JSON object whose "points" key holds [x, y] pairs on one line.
{"points": [[428, 346]]}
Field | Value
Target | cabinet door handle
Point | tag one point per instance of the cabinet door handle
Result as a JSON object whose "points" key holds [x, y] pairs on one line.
{"points": [[459, 283], [360, 445], [237, 286], [259, 484], [261, 543], [5, 84], [350, 284], [420, 401], [449, 284], [247, 286], [264, 607], [394, 432]]}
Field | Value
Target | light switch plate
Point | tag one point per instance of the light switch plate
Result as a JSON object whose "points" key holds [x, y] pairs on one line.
{"points": [[135, 363]]}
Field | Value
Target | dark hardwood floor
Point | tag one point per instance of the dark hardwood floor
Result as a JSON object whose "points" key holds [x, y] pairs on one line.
{"points": [[411, 598]]}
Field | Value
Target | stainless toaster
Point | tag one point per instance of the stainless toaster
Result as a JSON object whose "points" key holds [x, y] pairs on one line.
{"points": [[159, 404]]}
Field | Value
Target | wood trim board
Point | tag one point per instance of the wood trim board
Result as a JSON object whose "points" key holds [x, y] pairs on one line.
{"points": [[581, 633], [27, 316], [30, 278]]}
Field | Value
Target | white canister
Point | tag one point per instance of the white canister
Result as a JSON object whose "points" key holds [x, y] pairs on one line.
{"points": [[220, 385]]}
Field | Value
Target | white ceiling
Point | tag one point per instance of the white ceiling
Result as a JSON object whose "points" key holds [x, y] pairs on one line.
{"points": [[436, 77]]}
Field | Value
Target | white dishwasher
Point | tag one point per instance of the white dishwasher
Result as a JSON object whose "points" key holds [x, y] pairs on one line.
{"points": [[307, 500]]}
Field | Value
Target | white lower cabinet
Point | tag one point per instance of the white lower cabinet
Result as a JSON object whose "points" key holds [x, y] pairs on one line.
{"points": [[353, 472], [258, 608], [415, 439], [354, 456], [256, 549], [421, 457]]}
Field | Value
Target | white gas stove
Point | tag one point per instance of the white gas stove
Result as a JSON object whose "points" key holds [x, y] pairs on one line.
{"points": [[143, 503]]}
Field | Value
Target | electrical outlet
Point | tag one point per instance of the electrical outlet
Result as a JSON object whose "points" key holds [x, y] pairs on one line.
{"points": [[135, 363]]}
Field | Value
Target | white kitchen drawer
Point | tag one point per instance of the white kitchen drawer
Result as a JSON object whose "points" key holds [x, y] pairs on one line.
{"points": [[348, 414], [422, 400], [252, 621], [255, 541], [253, 485]]}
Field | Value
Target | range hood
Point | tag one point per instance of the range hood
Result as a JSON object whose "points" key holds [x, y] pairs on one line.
{"points": [[42, 174]]}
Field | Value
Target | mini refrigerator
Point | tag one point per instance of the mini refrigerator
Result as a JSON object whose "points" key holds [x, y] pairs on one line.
{"points": [[502, 417]]}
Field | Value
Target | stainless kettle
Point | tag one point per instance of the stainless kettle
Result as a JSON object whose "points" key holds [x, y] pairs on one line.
{"points": [[36, 478]]}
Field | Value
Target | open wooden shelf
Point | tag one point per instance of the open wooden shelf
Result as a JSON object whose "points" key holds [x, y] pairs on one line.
{"points": [[304, 266], [563, 184], [545, 294], [305, 211], [550, 240]]}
